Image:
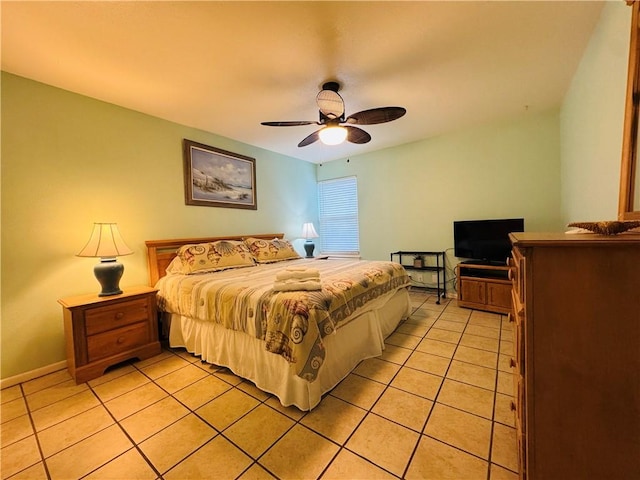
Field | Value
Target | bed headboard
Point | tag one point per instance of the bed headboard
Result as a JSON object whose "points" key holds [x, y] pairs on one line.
{"points": [[161, 252]]}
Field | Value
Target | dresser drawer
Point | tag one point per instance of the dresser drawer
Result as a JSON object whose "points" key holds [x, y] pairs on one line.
{"points": [[118, 315], [117, 341]]}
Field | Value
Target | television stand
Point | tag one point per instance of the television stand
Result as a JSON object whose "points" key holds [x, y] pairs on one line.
{"points": [[484, 285]]}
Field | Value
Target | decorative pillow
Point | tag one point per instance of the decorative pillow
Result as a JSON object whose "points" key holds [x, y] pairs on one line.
{"points": [[210, 257], [269, 251]]}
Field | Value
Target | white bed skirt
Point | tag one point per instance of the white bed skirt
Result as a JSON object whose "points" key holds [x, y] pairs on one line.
{"points": [[359, 338]]}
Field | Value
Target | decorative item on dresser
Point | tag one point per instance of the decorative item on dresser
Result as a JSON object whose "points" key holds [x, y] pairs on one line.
{"points": [[576, 324], [309, 232], [103, 331]]}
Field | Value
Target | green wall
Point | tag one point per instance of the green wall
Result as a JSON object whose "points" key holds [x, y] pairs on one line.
{"points": [[69, 161], [410, 195], [592, 120]]}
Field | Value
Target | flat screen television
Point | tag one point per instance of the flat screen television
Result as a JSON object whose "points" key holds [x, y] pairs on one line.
{"points": [[485, 240]]}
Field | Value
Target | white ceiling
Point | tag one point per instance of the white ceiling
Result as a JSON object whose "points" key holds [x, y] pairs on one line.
{"points": [[226, 66]]}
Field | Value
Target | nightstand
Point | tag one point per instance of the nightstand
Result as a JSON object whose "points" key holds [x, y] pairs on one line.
{"points": [[103, 331]]}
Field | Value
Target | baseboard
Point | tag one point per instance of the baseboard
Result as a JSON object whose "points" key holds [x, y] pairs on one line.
{"points": [[38, 372], [453, 295]]}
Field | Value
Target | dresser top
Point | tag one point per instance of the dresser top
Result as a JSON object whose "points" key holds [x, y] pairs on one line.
{"points": [[550, 239]]}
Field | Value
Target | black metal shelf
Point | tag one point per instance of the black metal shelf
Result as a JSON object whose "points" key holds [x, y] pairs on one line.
{"points": [[434, 262]]}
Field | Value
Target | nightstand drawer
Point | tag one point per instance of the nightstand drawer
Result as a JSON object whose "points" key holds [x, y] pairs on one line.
{"points": [[117, 341], [102, 319]]}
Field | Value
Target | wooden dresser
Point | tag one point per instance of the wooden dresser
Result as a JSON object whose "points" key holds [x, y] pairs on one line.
{"points": [[576, 301], [103, 331]]}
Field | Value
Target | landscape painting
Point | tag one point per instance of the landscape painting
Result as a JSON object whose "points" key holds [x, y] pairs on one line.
{"points": [[217, 178]]}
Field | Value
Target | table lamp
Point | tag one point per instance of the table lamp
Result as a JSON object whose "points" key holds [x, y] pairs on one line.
{"points": [[105, 242], [309, 232]]}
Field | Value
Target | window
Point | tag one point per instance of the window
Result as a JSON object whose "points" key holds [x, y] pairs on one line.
{"points": [[338, 209]]}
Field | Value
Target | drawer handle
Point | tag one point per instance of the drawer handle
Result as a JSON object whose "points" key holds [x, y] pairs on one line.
{"points": [[512, 363], [120, 340], [513, 406], [510, 317], [510, 274], [119, 315]]}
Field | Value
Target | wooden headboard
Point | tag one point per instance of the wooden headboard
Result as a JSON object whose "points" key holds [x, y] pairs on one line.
{"points": [[161, 252]]}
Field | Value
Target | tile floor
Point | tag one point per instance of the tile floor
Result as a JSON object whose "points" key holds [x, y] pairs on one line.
{"points": [[436, 405]]}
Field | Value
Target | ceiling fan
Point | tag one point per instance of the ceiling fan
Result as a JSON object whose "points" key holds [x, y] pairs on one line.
{"points": [[335, 127]]}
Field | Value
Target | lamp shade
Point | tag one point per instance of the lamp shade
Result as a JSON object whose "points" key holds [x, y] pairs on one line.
{"points": [[105, 242], [308, 231], [333, 135]]}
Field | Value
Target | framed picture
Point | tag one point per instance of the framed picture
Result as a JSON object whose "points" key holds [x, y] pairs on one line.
{"points": [[217, 178]]}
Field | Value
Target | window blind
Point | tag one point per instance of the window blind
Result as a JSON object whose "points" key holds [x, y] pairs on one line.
{"points": [[338, 212]]}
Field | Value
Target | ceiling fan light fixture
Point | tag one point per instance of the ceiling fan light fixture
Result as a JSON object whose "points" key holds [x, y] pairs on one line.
{"points": [[333, 135]]}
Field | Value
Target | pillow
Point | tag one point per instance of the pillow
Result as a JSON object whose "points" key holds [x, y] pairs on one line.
{"points": [[214, 256], [269, 251]]}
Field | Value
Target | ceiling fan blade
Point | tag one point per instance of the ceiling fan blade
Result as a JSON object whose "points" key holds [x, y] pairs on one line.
{"points": [[330, 103], [376, 115], [314, 137], [289, 124], [357, 135]]}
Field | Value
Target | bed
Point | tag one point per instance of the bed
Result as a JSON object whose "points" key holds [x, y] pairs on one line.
{"points": [[230, 301]]}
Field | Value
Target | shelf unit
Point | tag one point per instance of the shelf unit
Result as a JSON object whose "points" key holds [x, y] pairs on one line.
{"points": [[433, 263]]}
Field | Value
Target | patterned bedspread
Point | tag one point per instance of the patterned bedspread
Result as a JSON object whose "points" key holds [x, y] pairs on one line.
{"points": [[292, 324]]}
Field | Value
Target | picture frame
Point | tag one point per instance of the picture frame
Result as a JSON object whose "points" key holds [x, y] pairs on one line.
{"points": [[217, 178]]}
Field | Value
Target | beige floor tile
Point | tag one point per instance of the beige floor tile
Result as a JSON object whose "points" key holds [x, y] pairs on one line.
{"points": [[311, 454], [359, 391], [165, 354], [504, 363], [120, 385], [13, 409], [503, 412], [135, 400], [227, 408], [443, 335], [10, 393], [438, 461], [217, 459], [173, 444], [73, 430], [348, 466], [181, 378], [506, 347], [394, 453], [256, 472], [469, 398], [403, 340], [460, 429], [499, 473], [202, 391], [89, 454], [415, 329], [428, 363], [394, 354], [46, 381], [258, 430], [189, 357], [504, 451], [377, 369], [291, 412], [164, 367], [505, 383], [34, 472], [485, 319], [404, 408], [112, 373], [476, 356], [19, 456], [334, 418], [473, 374], [483, 343], [16, 429], [420, 383], [443, 324], [49, 395], [249, 388], [130, 466], [436, 347], [225, 374], [151, 420], [63, 409], [455, 316], [482, 331]]}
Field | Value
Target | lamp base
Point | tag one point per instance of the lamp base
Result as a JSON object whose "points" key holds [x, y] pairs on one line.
{"points": [[109, 272], [309, 246]]}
